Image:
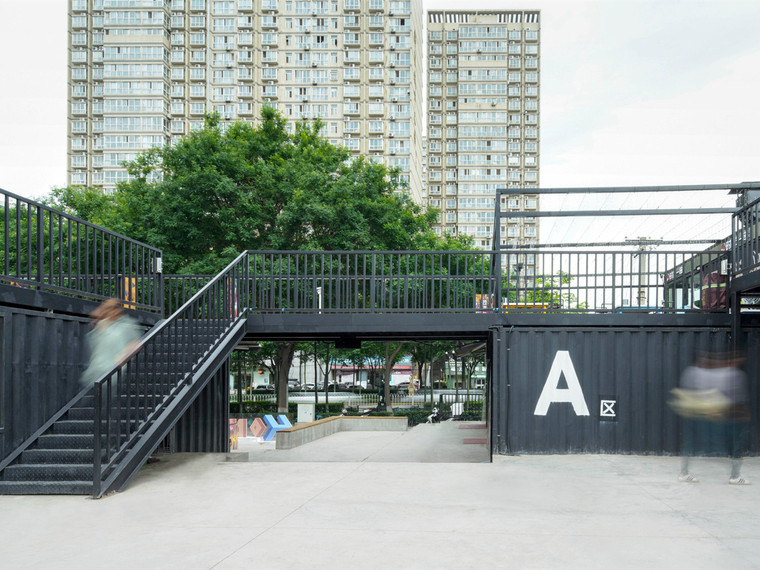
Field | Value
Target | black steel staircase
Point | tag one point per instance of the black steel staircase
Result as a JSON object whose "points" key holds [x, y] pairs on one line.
{"points": [[100, 439]]}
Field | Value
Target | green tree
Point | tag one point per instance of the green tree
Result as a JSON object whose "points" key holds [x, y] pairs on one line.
{"points": [[424, 355], [383, 356], [226, 188], [91, 204], [549, 291]]}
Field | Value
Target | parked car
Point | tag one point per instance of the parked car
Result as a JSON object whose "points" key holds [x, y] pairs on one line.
{"points": [[308, 387], [294, 386]]}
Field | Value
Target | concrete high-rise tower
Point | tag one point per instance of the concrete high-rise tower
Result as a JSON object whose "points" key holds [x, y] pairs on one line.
{"points": [[483, 106], [143, 73]]}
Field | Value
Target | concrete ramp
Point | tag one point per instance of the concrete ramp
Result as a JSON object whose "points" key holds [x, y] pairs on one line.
{"points": [[425, 443]]}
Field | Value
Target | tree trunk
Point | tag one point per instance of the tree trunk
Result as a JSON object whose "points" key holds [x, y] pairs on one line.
{"points": [[390, 359], [285, 352]]}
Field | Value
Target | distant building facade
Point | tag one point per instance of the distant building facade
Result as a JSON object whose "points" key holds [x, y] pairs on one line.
{"points": [[143, 73], [483, 110]]}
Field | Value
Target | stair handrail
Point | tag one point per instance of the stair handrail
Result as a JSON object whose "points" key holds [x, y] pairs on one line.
{"points": [[51, 250], [191, 333]]}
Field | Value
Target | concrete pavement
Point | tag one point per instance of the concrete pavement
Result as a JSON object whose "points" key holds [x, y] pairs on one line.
{"points": [[398, 500]]}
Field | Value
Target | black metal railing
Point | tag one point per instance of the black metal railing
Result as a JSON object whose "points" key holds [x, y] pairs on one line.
{"points": [[614, 281], [131, 395], [368, 282], [466, 281], [49, 250], [745, 239], [179, 288]]}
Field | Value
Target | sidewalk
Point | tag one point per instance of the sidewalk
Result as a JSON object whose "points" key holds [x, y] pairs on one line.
{"points": [[362, 505]]}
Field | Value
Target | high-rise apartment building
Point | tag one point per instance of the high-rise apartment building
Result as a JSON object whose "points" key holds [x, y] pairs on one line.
{"points": [[483, 118], [143, 73]]}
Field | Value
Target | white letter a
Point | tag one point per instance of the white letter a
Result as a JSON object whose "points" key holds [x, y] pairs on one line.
{"points": [[551, 393]]}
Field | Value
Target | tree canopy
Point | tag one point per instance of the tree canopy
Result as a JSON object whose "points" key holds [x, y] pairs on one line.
{"points": [[225, 188]]}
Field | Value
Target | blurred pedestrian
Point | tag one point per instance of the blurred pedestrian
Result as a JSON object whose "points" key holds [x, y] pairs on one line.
{"points": [[713, 400], [113, 338]]}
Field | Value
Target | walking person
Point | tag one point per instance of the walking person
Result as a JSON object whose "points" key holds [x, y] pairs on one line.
{"points": [[713, 400], [113, 338]]}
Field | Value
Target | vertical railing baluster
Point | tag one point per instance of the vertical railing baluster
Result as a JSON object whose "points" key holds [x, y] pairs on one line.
{"points": [[69, 258], [372, 291], [38, 226], [97, 435], [6, 236]]}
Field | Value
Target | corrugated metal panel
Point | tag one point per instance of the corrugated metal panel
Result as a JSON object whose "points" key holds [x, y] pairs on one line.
{"points": [[632, 369], [204, 427], [42, 356]]}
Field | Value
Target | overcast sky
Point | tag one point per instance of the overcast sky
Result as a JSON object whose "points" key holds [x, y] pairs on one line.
{"points": [[634, 92]]}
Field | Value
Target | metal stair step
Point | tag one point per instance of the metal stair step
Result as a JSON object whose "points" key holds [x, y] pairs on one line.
{"points": [[71, 427], [45, 487], [86, 427], [70, 441], [48, 472], [80, 414], [57, 456]]}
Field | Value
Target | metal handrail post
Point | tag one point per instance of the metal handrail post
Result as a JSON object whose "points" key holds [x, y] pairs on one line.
{"points": [[372, 286], [40, 244], [496, 261], [97, 465]]}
